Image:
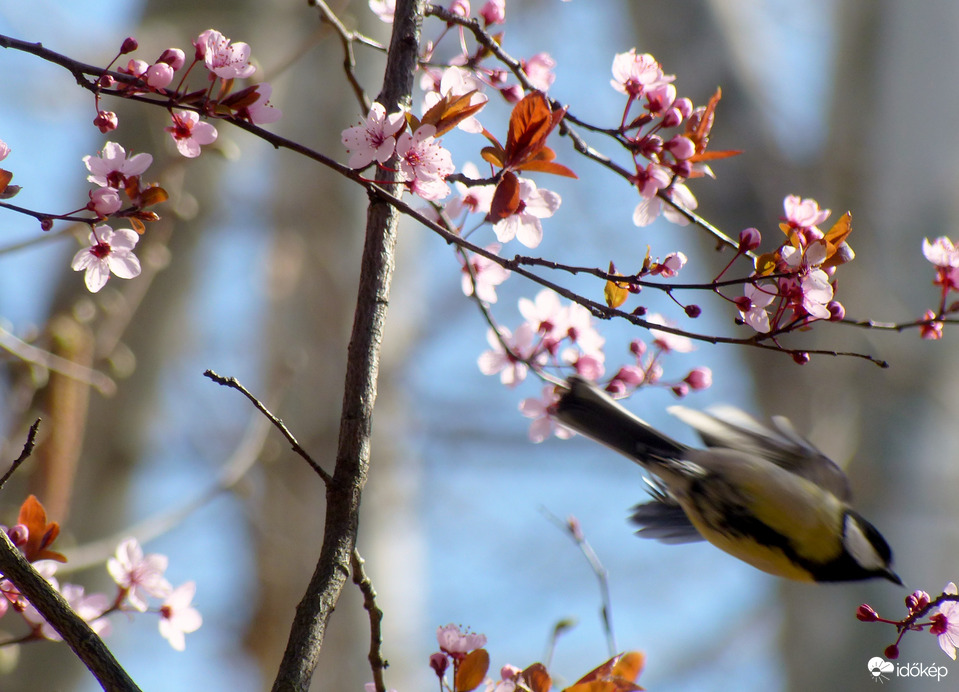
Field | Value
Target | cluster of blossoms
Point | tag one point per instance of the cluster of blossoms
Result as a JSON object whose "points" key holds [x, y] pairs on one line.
{"points": [[800, 287], [138, 578], [223, 60], [423, 163], [462, 653], [662, 163], [943, 619], [562, 337], [944, 255], [119, 192]]}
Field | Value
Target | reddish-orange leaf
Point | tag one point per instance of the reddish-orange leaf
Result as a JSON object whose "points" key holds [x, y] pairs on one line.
{"points": [[41, 534], [472, 670], [630, 665], [715, 155], [547, 167], [138, 225], [450, 110], [836, 239], [766, 263], [5, 178], [153, 195], [698, 129], [506, 198], [537, 678]]}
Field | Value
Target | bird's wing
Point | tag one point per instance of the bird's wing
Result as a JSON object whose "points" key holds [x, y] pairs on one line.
{"points": [[726, 427]]}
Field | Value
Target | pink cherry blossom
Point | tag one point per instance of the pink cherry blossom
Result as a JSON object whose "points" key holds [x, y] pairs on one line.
{"points": [[946, 623], [452, 640], [139, 575], [261, 111], [932, 329], [224, 59], [699, 378], [649, 210], [190, 134], [756, 299], [113, 166], [539, 70], [109, 251], [486, 275], [941, 252], [525, 225], [543, 424], [174, 57], [178, 617], [805, 216], [546, 317], [374, 139], [424, 163], [4, 150], [510, 364], [634, 74], [666, 341], [472, 198]]}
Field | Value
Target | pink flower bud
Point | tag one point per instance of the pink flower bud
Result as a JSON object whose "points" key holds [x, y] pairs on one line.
{"points": [[672, 117], [681, 147], [513, 93], [699, 378], [684, 106], [493, 12], [801, 357], [46, 223], [19, 534], [681, 389], [837, 313], [637, 347], [174, 57], [693, 311], [439, 662], [129, 45], [749, 239], [159, 75], [917, 600], [865, 613], [106, 121], [106, 81], [461, 8], [891, 652]]}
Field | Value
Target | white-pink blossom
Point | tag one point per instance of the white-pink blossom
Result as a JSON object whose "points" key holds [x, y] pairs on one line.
{"points": [[113, 165], [756, 298], [486, 275], [941, 252], [539, 70], [805, 215], [668, 341], [4, 150], [374, 139], [452, 640], [109, 252], [224, 59], [424, 163], [261, 111], [178, 617], [525, 225], [510, 364], [190, 133], [634, 74], [648, 210], [139, 575], [543, 424]]}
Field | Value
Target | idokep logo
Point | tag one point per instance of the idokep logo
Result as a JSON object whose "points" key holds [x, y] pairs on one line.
{"points": [[882, 670]]}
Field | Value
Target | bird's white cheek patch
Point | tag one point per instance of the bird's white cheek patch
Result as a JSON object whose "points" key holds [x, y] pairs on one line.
{"points": [[859, 547]]}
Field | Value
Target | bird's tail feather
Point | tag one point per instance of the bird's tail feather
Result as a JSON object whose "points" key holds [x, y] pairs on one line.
{"points": [[591, 412]]}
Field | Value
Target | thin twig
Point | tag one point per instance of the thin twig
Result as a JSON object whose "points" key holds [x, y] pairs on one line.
{"points": [[572, 528], [32, 354], [377, 663], [24, 453], [233, 383]]}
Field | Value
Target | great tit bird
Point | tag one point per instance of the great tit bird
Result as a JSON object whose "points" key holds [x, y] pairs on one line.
{"points": [[766, 496]]}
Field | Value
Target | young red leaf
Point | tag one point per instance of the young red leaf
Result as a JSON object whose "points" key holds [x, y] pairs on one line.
{"points": [[472, 670], [505, 199], [41, 534]]}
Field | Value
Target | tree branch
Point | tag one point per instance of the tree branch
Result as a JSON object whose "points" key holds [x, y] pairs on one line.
{"points": [[88, 647], [362, 368]]}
